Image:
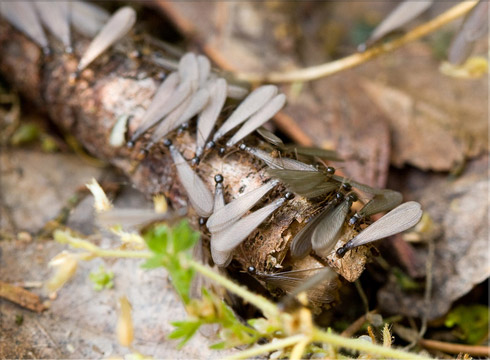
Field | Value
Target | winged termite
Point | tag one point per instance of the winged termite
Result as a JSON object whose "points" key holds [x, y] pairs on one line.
{"points": [[153, 113], [87, 18], [383, 201], [258, 119], [307, 183], [23, 16], [474, 27], [220, 258], [207, 118], [56, 17], [405, 12], [223, 218], [233, 236], [325, 235], [199, 195], [118, 26], [301, 244], [321, 283], [277, 162], [397, 220], [252, 103]]}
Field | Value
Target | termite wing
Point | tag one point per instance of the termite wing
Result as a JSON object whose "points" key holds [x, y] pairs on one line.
{"points": [[301, 243], [131, 219], [319, 284], [56, 17], [258, 119], [405, 12], [277, 162], [397, 220], [23, 16], [249, 106], [173, 96], [208, 117], [230, 213], [118, 25], [86, 18], [220, 258], [236, 233], [199, 195], [474, 27]]}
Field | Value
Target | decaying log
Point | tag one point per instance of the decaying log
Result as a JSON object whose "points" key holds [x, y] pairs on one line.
{"points": [[120, 85]]}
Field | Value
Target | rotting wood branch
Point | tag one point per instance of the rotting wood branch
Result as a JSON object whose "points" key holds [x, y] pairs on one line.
{"points": [[119, 85]]}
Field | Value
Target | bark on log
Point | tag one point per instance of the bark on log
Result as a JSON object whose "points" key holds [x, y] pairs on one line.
{"points": [[117, 85]]}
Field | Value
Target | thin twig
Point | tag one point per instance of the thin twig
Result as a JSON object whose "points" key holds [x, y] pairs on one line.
{"points": [[319, 71], [455, 348], [272, 346], [356, 325], [363, 346]]}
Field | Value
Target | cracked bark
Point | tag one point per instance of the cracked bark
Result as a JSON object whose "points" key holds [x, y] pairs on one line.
{"points": [[117, 85]]}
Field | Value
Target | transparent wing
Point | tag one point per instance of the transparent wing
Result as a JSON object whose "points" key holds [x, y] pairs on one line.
{"points": [[258, 119], [233, 236], [118, 25], [207, 118], [230, 213], [278, 162], [327, 231], [252, 103], [399, 17], [397, 220], [86, 18], [22, 15], [199, 195], [56, 17]]}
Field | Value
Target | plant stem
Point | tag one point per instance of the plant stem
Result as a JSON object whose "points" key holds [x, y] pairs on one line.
{"points": [[364, 346], [316, 72], [272, 346], [64, 237], [269, 309]]}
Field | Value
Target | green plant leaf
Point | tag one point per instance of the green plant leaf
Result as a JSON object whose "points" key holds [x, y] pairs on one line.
{"points": [[472, 320], [102, 279], [184, 330]]}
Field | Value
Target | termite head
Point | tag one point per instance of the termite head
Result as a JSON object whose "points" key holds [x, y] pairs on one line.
{"points": [[347, 186], [289, 196], [341, 251], [218, 178], [221, 151], [330, 170], [167, 142], [210, 145], [202, 221], [195, 160], [252, 270], [242, 147], [352, 197], [354, 219]]}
